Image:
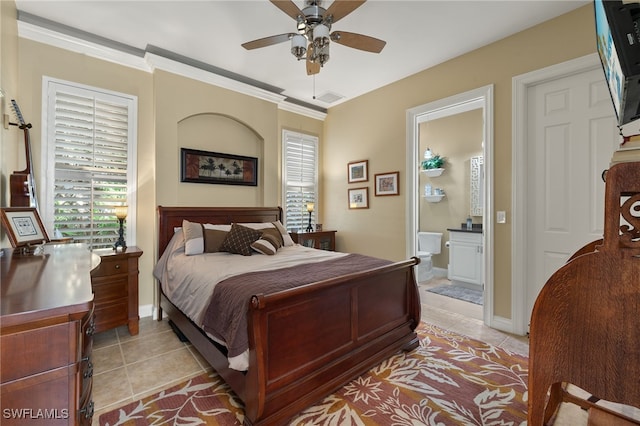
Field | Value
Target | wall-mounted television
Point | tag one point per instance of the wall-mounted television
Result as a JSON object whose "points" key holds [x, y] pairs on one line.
{"points": [[618, 44]]}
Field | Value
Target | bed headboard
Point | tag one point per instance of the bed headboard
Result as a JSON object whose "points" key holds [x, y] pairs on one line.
{"points": [[171, 218]]}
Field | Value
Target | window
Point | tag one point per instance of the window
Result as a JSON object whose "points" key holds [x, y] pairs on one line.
{"points": [[89, 159], [300, 178]]}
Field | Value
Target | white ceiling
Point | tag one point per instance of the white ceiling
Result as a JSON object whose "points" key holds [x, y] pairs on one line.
{"points": [[419, 35]]}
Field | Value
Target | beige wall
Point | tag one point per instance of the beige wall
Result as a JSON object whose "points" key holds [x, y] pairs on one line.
{"points": [[457, 138], [373, 127], [11, 139], [234, 124], [173, 112], [37, 60], [370, 127]]}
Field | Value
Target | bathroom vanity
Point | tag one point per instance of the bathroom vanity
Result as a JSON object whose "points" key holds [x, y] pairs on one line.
{"points": [[466, 256]]}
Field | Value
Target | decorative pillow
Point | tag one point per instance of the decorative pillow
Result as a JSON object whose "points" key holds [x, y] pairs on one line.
{"points": [[193, 238], [213, 239], [239, 239], [225, 228], [276, 234], [286, 238], [267, 244]]}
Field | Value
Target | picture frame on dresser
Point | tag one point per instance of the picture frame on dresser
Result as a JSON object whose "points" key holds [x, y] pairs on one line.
{"points": [[23, 226]]}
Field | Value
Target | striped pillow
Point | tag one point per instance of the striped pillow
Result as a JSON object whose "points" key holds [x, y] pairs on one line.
{"points": [[267, 244]]}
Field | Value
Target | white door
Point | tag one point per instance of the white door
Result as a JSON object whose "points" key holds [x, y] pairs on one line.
{"points": [[571, 136]]}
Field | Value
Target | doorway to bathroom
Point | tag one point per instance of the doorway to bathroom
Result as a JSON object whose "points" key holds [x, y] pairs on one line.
{"points": [[459, 130]]}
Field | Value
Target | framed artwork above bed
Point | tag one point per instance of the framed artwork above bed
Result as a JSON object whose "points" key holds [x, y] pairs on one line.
{"points": [[217, 168]]}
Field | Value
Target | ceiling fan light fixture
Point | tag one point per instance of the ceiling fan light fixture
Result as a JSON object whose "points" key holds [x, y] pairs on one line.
{"points": [[320, 36], [298, 46], [322, 54]]}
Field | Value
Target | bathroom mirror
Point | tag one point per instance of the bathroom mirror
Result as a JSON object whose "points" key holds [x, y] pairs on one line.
{"points": [[477, 185]]}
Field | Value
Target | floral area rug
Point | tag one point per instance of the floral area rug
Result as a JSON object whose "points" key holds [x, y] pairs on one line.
{"points": [[448, 380]]}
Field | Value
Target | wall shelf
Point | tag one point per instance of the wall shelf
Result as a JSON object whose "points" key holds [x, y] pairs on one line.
{"points": [[434, 198], [432, 172]]}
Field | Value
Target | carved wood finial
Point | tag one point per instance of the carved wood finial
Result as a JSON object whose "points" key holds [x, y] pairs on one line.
{"points": [[630, 212]]}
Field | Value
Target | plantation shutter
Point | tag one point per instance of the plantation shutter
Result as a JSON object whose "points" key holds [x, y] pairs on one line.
{"points": [[300, 178], [91, 158]]}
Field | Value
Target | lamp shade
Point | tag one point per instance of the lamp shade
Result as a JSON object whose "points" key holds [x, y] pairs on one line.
{"points": [[121, 212], [310, 207], [321, 35], [298, 45]]}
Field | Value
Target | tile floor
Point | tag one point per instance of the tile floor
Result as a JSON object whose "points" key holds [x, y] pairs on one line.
{"points": [[127, 368]]}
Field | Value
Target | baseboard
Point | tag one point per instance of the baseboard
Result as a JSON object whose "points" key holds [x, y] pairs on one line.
{"points": [[440, 272], [146, 311], [502, 324]]}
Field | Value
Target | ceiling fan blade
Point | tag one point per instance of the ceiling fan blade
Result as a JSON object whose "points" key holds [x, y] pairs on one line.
{"points": [[358, 41], [312, 67], [341, 8], [288, 7], [267, 41]]}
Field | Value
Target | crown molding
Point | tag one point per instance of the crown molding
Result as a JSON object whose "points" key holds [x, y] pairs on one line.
{"points": [[64, 41], [149, 62]]}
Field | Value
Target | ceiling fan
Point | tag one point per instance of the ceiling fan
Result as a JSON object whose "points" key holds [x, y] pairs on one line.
{"points": [[313, 32]]}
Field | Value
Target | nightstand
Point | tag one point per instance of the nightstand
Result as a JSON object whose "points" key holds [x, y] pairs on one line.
{"points": [[323, 240], [115, 289]]}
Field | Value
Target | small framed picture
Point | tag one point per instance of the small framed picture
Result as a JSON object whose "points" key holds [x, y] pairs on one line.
{"points": [[359, 198], [358, 171], [318, 227], [387, 183], [23, 226]]}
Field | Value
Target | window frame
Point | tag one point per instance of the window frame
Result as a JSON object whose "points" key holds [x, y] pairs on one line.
{"points": [[50, 86], [287, 135]]}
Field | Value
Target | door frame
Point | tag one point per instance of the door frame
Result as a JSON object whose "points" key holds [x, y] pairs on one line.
{"points": [[481, 98], [520, 251]]}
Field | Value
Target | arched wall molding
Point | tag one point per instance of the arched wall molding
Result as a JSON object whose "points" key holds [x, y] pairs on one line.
{"points": [[225, 133], [230, 117]]}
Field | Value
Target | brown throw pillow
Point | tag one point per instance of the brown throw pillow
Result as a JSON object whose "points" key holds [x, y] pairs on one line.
{"points": [[275, 234], [213, 239], [239, 240]]}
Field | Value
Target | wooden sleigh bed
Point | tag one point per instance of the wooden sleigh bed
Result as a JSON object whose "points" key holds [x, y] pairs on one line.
{"points": [[584, 328], [348, 324]]}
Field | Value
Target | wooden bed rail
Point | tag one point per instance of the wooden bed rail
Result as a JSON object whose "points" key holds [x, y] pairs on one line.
{"points": [[365, 317]]}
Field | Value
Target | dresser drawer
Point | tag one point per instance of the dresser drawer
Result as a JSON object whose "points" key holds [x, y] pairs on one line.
{"points": [[111, 315], [111, 266], [48, 391], [106, 290], [34, 351]]}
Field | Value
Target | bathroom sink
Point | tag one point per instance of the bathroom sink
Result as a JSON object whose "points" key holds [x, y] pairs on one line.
{"points": [[476, 227]]}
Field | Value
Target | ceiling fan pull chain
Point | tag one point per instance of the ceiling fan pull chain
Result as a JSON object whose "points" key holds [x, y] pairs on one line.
{"points": [[314, 86]]}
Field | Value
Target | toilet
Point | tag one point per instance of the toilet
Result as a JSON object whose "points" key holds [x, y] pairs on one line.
{"points": [[429, 243]]}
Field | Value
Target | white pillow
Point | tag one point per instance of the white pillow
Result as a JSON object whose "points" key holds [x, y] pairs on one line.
{"points": [[288, 241], [193, 238]]}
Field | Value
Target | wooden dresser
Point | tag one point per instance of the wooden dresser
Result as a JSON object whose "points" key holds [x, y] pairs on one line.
{"points": [[115, 285], [46, 335]]}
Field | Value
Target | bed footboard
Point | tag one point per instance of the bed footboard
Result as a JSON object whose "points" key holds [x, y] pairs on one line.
{"points": [[308, 341]]}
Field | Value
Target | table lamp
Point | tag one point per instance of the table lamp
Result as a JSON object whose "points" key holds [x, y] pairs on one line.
{"points": [[121, 214], [310, 207]]}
